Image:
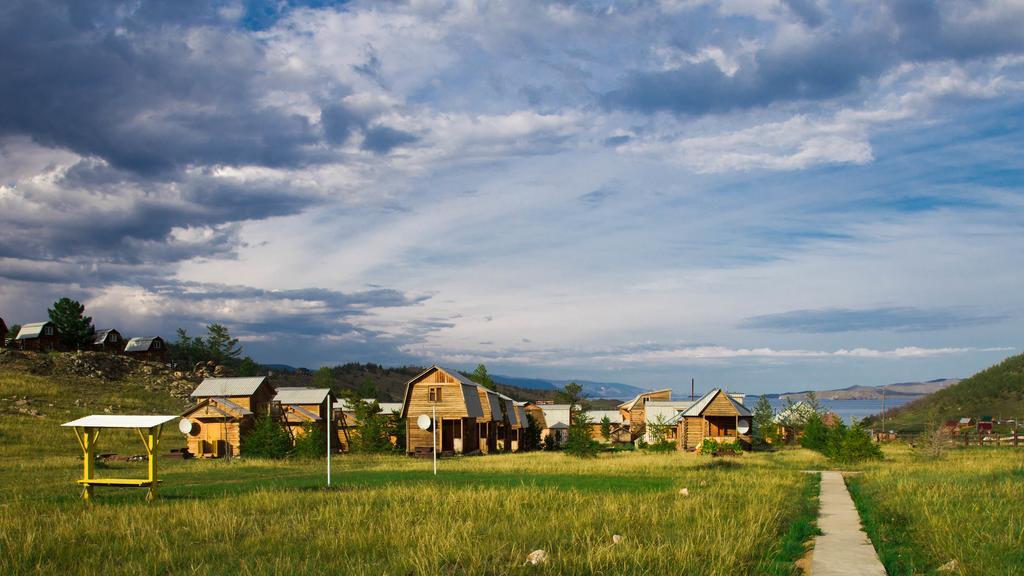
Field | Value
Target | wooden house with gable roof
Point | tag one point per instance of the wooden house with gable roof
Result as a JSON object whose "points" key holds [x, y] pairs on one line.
{"points": [[716, 415], [150, 348], [226, 408], [108, 340], [301, 408], [634, 412], [41, 336], [457, 402]]}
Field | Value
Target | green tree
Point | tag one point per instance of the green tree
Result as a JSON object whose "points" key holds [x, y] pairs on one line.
{"points": [[816, 434], [763, 423], [481, 377], [580, 442], [266, 439], [12, 331], [532, 433], [220, 346], [572, 394], [372, 436], [323, 377], [606, 429], [395, 427], [248, 367], [74, 328], [311, 443]]}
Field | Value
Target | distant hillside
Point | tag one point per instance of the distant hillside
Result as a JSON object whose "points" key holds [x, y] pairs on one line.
{"points": [[875, 392], [595, 390], [996, 391]]}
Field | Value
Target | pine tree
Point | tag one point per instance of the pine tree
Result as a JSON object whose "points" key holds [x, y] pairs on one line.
{"points": [[764, 423], [481, 377], [606, 429], [220, 346], [74, 328], [266, 439]]}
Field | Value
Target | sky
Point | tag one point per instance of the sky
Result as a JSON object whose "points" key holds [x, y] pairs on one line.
{"points": [[762, 195]]}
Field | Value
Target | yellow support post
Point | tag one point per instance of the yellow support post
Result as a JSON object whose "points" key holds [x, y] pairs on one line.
{"points": [[89, 447]]}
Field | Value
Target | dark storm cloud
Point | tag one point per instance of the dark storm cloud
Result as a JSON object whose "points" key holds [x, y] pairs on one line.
{"points": [[382, 139], [836, 61], [833, 320]]}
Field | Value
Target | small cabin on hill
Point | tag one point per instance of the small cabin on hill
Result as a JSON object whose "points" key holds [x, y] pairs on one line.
{"points": [[150, 348], [225, 410], [634, 412], [41, 336], [108, 340], [715, 415], [456, 400], [300, 409]]}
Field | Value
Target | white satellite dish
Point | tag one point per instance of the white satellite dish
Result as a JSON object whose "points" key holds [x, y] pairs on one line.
{"points": [[743, 427], [424, 422], [186, 426]]}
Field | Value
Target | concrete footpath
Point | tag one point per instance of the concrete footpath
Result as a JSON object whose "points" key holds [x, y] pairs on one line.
{"points": [[843, 549]]}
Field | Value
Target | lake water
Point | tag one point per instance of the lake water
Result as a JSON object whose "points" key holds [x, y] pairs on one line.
{"points": [[846, 409]]}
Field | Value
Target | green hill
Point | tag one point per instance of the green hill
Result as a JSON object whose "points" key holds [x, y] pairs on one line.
{"points": [[997, 391]]}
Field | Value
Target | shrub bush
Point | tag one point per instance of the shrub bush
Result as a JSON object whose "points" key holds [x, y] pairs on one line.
{"points": [[580, 443], [311, 443], [267, 439]]}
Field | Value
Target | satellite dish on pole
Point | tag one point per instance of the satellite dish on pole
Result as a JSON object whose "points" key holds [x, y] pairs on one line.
{"points": [[743, 427], [186, 426], [424, 422]]}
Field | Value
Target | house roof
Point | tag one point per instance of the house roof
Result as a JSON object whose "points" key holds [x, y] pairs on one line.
{"points": [[302, 411], [521, 415], [470, 396], [389, 407], [510, 409], [229, 404], [700, 405], [597, 415], [141, 343], [119, 421], [101, 335], [630, 404], [29, 331], [228, 386], [494, 401], [216, 403], [556, 415], [301, 395]]}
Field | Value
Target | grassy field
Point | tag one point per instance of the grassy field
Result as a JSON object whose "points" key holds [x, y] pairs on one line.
{"points": [[967, 507], [384, 514]]}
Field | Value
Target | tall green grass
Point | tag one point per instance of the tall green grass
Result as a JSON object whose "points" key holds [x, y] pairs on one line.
{"points": [[967, 507]]}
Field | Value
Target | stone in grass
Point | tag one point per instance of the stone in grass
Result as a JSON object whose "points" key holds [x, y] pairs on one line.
{"points": [[951, 566], [536, 557], [684, 491], [616, 538]]}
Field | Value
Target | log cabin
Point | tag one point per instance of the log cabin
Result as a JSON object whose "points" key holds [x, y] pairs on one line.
{"points": [[108, 340], [554, 423], [456, 400], [634, 412], [151, 348], [716, 415], [301, 408], [226, 408], [41, 336]]}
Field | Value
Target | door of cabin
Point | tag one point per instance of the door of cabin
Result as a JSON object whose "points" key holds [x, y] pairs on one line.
{"points": [[448, 435]]}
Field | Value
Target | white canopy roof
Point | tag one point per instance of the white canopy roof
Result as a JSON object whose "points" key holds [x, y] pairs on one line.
{"points": [[119, 421]]}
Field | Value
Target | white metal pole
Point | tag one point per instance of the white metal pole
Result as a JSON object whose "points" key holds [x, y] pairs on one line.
{"points": [[330, 420], [434, 438]]}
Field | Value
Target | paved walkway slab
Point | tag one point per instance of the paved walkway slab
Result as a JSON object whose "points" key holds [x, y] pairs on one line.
{"points": [[843, 549]]}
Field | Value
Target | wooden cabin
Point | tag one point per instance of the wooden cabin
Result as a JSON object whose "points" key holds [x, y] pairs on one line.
{"points": [[456, 400], [41, 336], [661, 417], [554, 423], [619, 430], [226, 408], [634, 412], [150, 348], [108, 340], [301, 408], [715, 415]]}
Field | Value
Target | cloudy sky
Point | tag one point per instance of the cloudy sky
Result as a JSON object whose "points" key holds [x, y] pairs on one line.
{"points": [[762, 195]]}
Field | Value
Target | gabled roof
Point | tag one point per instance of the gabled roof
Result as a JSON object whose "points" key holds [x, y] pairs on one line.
{"points": [[101, 335], [225, 407], [470, 396], [494, 402], [700, 405], [33, 330], [228, 386], [301, 395], [521, 415], [629, 405], [141, 343], [556, 415]]}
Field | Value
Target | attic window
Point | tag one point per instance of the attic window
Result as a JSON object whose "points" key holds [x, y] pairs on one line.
{"points": [[113, 337], [434, 394], [156, 344], [48, 330]]}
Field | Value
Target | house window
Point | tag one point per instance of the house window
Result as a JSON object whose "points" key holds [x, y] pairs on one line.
{"points": [[457, 433], [434, 394], [48, 331], [156, 344], [113, 337]]}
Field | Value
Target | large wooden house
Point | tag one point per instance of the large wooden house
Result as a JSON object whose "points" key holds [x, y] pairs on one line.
{"points": [[226, 408], [41, 336], [303, 409], [108, 340], [456, 401], [716, 415], [151, 348], [634, 412]]}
